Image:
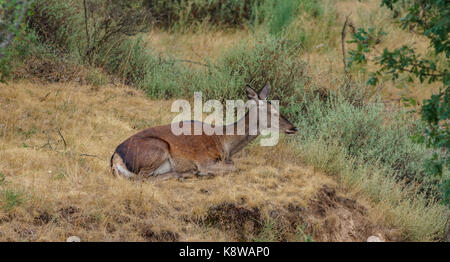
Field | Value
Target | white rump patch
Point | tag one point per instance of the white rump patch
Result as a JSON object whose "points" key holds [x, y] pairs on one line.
{"points": [[123, 171]]}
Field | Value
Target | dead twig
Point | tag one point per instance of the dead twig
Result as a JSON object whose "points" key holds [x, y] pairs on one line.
{"points": [[45, 97], [86, 28], [48, 142], [343, 34], [191, 62], [62, 137], [199, 56], [88, 155]]}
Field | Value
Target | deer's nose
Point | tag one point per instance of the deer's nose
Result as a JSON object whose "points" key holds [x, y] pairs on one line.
{"points": [[295, 129]]}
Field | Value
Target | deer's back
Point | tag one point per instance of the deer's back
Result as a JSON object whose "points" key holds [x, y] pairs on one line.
{"points": [[150, 142]]}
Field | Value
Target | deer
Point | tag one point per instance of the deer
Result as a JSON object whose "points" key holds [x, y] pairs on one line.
{"points": [[157, 153]]}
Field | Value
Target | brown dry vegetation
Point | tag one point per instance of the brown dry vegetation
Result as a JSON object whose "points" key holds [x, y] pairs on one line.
{"points": [[56, 140], [55, 144]]}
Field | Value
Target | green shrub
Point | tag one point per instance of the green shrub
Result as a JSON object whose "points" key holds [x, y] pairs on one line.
{"points": [[58, 24], [12, 15], [270, 61], [182, 13], [313, 15], [419, 218], [11, 198], [62, 25], [280, 14], [371, 136]]}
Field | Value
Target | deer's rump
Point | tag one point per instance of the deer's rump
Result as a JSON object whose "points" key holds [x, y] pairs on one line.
{"points": [[150, 149]]}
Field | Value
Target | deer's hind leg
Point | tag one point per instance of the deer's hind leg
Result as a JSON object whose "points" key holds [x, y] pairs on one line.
{"points": [[155, 160]]}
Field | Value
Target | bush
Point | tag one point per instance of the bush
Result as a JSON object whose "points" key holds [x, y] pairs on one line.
{"points": [[12, 14], [181, 13], [280, 14], [270, 61], [63, 25], [58, 24], [369, 135]]}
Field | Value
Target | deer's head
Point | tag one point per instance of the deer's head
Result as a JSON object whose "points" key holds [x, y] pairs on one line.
{"points": [[261, 103]]}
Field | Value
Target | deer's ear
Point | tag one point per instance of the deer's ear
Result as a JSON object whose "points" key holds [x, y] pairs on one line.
{"points": [[251, 94], [264, 92]]}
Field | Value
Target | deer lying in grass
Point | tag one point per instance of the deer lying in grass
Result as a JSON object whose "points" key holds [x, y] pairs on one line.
{"points": [[156, 152]]}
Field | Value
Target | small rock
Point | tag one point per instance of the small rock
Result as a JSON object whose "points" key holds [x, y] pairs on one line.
{"points": [[374, 239], [73, 239], [319, 45]]}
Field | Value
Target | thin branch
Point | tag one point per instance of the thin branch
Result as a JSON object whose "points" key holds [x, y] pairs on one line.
{"points": [[190, 61], [88, 155], [48, 141], [62, 137], [86, 27], [45, 97], [425, 74], [343, 33], [201, 57]]}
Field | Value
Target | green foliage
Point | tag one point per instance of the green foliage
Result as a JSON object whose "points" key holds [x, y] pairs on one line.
{"points": [[427, 17], [11, 198], [2, 179], [12, 14], [66, 27], [269, 232], [111, 20], [301, 235], [271, 61], [364, 40], [280, 14], [431, 19], [58, 24], [182, 13], [179, 14], [361, 133]]}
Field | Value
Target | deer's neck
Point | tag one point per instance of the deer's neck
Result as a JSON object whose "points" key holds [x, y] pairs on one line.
{"points": [[235, 142]]}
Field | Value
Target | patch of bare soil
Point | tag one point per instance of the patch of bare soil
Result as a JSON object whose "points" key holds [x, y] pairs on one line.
{"points": [[163, 236], [328, 217], [331, 217], [243, 222]]}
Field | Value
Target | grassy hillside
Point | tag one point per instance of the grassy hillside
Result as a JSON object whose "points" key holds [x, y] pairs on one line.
{"points": [[56, 140], [351, 171]]}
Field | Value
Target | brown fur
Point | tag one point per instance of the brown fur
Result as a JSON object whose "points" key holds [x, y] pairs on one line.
{"points": [[150, 149]]}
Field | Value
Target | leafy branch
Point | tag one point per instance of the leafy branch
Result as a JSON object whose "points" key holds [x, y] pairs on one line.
{"points": [[429, 18]]}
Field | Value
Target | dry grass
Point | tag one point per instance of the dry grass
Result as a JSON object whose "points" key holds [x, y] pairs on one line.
{"points": [[56, 140], [200, 46], [58, 184], [392, 204]]}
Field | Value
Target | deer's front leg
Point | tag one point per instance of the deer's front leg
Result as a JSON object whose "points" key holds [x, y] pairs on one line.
{"points": [[171, 175], [217, 168]]}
